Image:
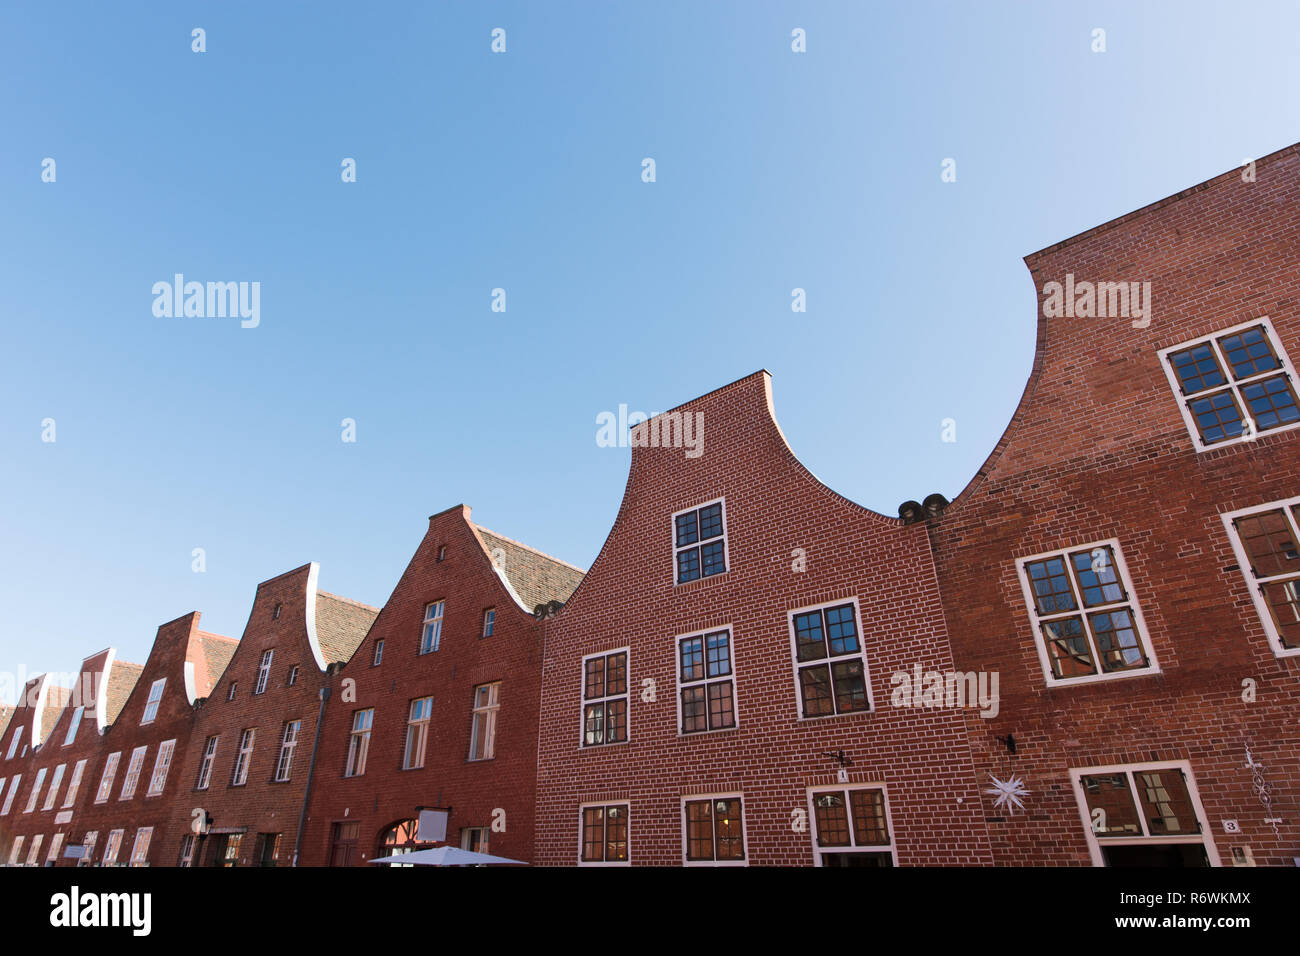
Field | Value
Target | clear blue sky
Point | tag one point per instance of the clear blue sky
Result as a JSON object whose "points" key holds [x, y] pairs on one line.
{"points": [[523, 171]]}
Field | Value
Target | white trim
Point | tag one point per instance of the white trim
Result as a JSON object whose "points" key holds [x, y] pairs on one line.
{"points": [[1132, 603], [891, 847], [604, 804], [101, 693], [191, 685], [582, 699], [705, 681], [312, 640], [74, 785], [74, 725], [862, 652], [38, 711], [1253, 583], [146, 718], [1095, 843], [440, 619], [104, 791], [699, 543], [1231, 385], [134, 768], [744, 827], [56, 781]]}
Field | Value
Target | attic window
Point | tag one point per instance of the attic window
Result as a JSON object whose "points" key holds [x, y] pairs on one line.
{"points": [[233, 685], [442, 553], [275, 615], [293, 676]]}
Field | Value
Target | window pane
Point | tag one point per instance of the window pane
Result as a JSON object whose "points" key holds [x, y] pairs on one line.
{"points": [[1217, 417], [1269, 542], [616, 717], [730, 842], [1197, 368], [1067, 648], [1272, 403], [1248, 352], [719, 654], [832, 819], [714, 557], [815, 685], [1051, 586], [699, 830], [595, 677], [594, 724], [1283, 599], [810, 645], [688, 565], [593, 834], [693, 714], [1111, 795], [616, 674], [850, 686], [869, 817], [692, 658], [616, 834], [1165, 802], [841, 630], [1098, 577], [1117, 640], [721, 713], [710, 522], [687, 529]]}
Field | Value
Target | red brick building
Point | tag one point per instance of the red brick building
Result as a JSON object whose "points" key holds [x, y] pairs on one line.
{"points": [[1127, 560], [718, 689], [243, 781], [438, 707]]}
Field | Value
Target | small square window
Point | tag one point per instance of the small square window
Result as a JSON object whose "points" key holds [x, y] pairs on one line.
{"points": [[699, 542]]}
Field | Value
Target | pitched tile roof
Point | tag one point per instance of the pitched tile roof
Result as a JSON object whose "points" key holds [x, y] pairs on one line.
{"points": [[55, 701], [121, 680], [217, 650], [537, 578], [341, 625]]}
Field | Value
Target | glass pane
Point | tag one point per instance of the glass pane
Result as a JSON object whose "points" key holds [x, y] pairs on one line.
{"points": [[850, 686], [1117, 640], [1098, 576], [1283, 600], [731, 845], [832, 819], [1111, 796], [692, 658], [710, 522], [815, 685], [1166, 803], [1272, 403], [694, 718], [719, 654], [721, 713], [687, 530], [869, 817], [1248, 352], [595, 677], [1217, 417], [810, 645], [688, 565], [1067, 648], [616, 674], [842, 630], [1051, 585], [1197, 368], [714, 557], [1269, 543]]}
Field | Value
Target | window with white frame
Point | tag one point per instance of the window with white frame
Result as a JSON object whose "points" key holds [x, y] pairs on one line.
{"points": [[74, 784], [56, 844], [230, 695], [850, 826], [13, 742], [106, 779], [34, 854], [1143, 814], [604, 834], [288, 744], [162, 763], [9, 797], [359, 742], [243, 758], [15, 850], [36, 791], [187, 850], [73, 725], [705, 682], [293, 676], [112, 846], [1087, 623], [133, 769], [489, 621], [1233, 385], [830, 660], [263, 672], [417, 733], [56, 781], [379, 653], [155, 698], [205, 767], [483, 731], [604, 698], [140, 851], [88, 847], [700, 542], [1266, 540], [713, 829], [431, 635]]}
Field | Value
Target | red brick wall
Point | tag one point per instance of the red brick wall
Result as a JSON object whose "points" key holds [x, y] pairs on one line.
{"points": [[628, 598], [475, 790], [1098, 449]]}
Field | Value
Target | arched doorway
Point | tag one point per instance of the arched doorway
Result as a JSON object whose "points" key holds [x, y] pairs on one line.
{"points": [[402, 837]]}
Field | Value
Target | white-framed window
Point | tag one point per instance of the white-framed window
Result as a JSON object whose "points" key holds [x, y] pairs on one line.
{"points": [[293, 676], [379, 653], [1144, 814], [15, 850], [106, 779], [713, 830], [187, 849], [489, 621], [73, 725], [74, 784], [140, 850], [1087, 623], [483, 730], [243, 758], [1266, 541], [9, 797], [604, 698], [209, 758], [34, 854], [417, 733], [830, 659], [851, 826], [88, 847], [56, 844], [13, 742], [162, 763], [1233, 385], [155, 698], [36, 791], [475, 839], [56, 781], [431, 635], [133, 769], [263, 672], [112, 846], [288, 744], [230, 694], [700, 541], [603, 834], [706, 682], [359, 742]]}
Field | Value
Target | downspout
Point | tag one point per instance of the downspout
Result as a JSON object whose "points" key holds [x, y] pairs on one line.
{"points": [[311, 771]]}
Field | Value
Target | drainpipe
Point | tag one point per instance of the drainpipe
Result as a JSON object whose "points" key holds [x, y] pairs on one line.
{"points": [[311, 770]]}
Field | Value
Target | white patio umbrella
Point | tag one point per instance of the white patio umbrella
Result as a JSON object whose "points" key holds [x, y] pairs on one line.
{"points": [[443, 856]]}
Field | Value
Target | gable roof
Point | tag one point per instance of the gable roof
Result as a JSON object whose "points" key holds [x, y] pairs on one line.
{"points": [[217, 650], [536, 578], [341, 625], [55, 701], [122, 677]]}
